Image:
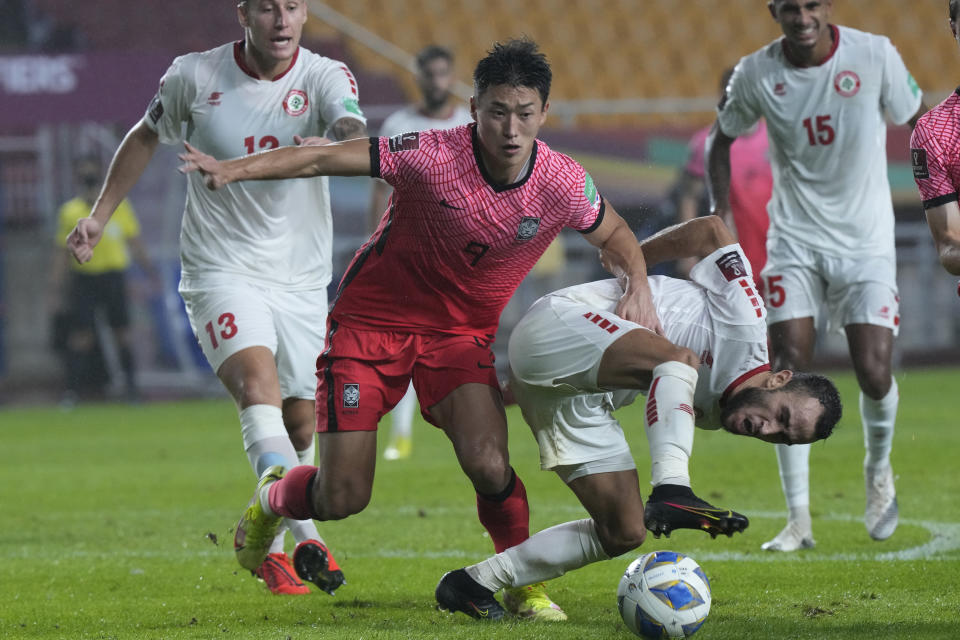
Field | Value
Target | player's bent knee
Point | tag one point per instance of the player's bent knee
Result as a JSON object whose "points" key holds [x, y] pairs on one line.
{"points": [[343, 503], [622, 538], [489, 471], [876, 386]]}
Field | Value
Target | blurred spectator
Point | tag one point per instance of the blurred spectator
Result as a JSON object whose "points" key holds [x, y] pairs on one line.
{"points": [[13, 26], [82, 293], [437, 109], [750, 186], [24, 27]]}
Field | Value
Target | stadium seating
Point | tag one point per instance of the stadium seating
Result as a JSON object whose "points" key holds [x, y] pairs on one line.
{"points": [[612, 49], [606, 49]]}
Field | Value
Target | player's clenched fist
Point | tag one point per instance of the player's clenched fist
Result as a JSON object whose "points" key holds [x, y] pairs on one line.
{"points": [[84, 238]]}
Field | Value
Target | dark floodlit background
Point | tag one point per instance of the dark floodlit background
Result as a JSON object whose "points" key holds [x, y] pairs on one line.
{"points": [[633, 79]]}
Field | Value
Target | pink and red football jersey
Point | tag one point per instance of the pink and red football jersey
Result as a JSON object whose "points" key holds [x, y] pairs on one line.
{"points": [[453, 246], [935, 153]]}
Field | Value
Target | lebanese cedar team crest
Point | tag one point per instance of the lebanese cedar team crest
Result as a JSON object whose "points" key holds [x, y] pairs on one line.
{"points": [[295, 103], [847, 84]]}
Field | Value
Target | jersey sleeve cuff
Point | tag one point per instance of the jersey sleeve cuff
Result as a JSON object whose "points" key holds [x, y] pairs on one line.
{"points": [[596, 223], [940, 200], [374, 157]]}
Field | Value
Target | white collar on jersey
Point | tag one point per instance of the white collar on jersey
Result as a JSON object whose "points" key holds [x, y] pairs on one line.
{"points": [[524, 170]]}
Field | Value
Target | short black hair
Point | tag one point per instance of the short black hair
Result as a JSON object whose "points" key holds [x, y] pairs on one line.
{"points": [[433, 52], [954, 5], [821, 388], [516, 63]]}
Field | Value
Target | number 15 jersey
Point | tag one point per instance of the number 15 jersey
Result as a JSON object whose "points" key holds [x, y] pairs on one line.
{"points": [[827, 138], [453, 246]]}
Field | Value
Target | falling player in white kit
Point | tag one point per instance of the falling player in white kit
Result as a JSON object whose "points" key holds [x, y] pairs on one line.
{"points": [[823, 91], [574, 362], [255, 257], [437, 110]]}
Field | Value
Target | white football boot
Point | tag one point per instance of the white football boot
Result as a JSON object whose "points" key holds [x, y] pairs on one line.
{"points": [[793, 538], [881, 515]]}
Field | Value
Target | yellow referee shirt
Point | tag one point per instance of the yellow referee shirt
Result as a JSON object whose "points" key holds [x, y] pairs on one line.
{"points": [[111, 252]]}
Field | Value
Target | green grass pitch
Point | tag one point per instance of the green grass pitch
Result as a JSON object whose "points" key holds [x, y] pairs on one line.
{"points": [[117, 522]]}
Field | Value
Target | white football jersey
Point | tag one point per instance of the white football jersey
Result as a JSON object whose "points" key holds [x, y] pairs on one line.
{"points": [[827, 138], [717, 314], [277, 232], [410, 119]]}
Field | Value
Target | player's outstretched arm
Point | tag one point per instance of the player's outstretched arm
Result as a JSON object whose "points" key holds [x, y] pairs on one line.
{"points": [[718, 170], [944, 223], [130, 160], [621, 255], [695, 238], [350, 158]]}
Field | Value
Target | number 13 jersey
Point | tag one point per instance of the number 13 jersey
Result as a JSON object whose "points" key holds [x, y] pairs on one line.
{"points": [[274, 232], [827, 138]]}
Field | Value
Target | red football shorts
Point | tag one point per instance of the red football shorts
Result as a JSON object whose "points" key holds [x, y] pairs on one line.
{"points": [[363, 374]]}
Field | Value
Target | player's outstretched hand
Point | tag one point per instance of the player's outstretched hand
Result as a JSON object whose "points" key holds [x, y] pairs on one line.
{"points": [[311, 141], [637, 306], [84, 238], [212, 170]]}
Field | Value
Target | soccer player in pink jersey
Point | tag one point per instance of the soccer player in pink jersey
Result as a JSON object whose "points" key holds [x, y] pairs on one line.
{"points": [[825, 92], [473, 209], [573, 363], [255, 259], [935, 152]]}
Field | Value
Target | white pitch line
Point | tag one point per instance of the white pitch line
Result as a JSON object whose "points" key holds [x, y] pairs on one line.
{"points": [[944, 538]]}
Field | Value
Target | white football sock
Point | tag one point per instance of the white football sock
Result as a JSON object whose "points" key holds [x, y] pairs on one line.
{"points": [[267, 443], [265, 438], [669, 422], [794, 462], [878, 418], [401, 417], [545, 555]]}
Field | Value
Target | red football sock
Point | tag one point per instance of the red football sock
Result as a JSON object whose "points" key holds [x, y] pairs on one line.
{"points": [[506, 516], [290, 496]]}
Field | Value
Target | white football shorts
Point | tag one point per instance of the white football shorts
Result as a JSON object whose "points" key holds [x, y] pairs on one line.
{"points": [[228, 316], [800, 282], [554, 359]]}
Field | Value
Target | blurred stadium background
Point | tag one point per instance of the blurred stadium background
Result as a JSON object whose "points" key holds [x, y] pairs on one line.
{"points": [[633, 79]]}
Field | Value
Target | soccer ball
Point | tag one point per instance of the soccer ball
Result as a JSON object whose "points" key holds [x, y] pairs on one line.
{"points": [[664, 594]]}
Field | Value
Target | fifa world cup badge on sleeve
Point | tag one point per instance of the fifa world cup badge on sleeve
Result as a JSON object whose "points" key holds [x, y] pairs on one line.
{"points": [[731, 266], [156, 110], [405, 142], [918, 158]]}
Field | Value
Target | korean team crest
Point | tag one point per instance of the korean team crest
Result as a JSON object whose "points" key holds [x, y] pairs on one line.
{"points": [[295, 103], [527, 228], [351, 395], [847, 84]]}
